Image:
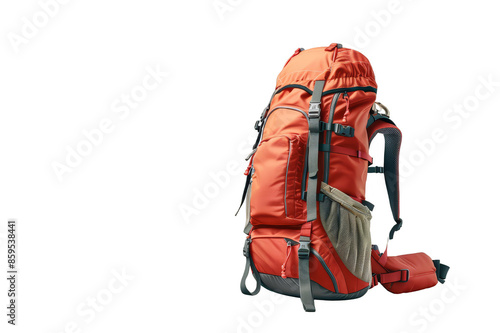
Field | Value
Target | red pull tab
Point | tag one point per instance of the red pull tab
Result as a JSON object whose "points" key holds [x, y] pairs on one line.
{"points": [[346, 113], [247, 171], [288, 251], [331, 47]]}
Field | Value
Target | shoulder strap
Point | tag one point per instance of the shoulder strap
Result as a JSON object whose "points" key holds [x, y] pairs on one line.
{"points": [[306, 295], [392, 136]]}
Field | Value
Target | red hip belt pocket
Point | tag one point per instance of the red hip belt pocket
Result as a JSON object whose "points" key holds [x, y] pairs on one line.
{"points": [[407, 273]]}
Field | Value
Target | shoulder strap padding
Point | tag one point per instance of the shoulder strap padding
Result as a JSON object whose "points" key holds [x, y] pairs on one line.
{"points": [[393, 137]]}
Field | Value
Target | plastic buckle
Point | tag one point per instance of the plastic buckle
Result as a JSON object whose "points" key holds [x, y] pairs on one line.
{"points": [[407, 275], [257, 125], [342, 130], [304, 249], [325, 126], [246, 247], [376, 169], [314, 110]]}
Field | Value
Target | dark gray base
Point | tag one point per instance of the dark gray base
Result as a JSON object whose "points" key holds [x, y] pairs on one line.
{"points": [[290, 287]]}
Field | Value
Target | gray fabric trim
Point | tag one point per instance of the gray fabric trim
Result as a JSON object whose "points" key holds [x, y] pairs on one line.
{"points": [[286, 173], [283, 107], [290, 287], [313, 149], [326, 268]]}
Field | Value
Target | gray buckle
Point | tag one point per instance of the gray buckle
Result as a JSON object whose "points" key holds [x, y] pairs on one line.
{"points": [[314, 110], [246, 247], [304, 249]]}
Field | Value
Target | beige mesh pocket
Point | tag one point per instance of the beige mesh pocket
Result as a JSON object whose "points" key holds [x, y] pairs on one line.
{"points": [[347, 223]]}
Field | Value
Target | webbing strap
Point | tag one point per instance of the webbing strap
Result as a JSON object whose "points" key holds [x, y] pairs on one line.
{"points": [[397, 276], [304, 252], [346, 151], [249, 264], [392, 136], [313, 149]]}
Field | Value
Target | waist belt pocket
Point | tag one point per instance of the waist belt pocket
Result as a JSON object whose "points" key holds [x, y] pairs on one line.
{"points": [[347, 224]]}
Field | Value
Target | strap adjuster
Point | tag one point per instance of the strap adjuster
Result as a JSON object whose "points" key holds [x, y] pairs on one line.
{"points": [[246, 247], [403, 275], [314, 110], [257, 125], [342, 130], [304, 249], [376, 169]]}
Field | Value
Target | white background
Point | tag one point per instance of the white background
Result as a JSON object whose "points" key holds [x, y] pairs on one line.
{"points": [[137, 204]]}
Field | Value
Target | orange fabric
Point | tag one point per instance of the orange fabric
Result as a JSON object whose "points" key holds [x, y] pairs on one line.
{"points": [[277, 210]]}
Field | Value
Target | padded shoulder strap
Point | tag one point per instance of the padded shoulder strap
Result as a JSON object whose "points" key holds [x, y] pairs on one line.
{"points": [[393, 137]]}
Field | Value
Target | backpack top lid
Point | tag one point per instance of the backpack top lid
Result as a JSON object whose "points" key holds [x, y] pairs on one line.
{"points": [[339, 67]]}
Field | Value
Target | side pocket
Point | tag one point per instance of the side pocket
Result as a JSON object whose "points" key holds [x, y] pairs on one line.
{"points": [[276, 181], [347, 224]]}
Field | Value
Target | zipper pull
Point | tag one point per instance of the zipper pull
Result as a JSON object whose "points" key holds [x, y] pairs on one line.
{"points": [[288, 251], [346, 113]]}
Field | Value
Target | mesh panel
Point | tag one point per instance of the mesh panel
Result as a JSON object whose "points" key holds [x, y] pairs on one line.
{"points": [[347, 224]]}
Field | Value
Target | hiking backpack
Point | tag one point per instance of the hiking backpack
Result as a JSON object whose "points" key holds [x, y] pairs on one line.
{"points": [[308, 223]]}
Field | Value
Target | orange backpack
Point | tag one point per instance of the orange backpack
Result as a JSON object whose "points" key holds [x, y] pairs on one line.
{"points": [[308, 223]]}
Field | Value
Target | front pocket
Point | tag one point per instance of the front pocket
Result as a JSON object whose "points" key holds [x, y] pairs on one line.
{"points": [[276, 182], [347, 224]]}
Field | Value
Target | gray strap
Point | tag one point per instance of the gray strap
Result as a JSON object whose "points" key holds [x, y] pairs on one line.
{"points": [[313, 146], [249, 264], [304, 279]]}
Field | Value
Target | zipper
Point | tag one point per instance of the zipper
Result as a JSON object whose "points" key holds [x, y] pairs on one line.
{"points": [[365, 89], [284, 107], [286, 174], [328, 92], [323, 263], [329, 137]]}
